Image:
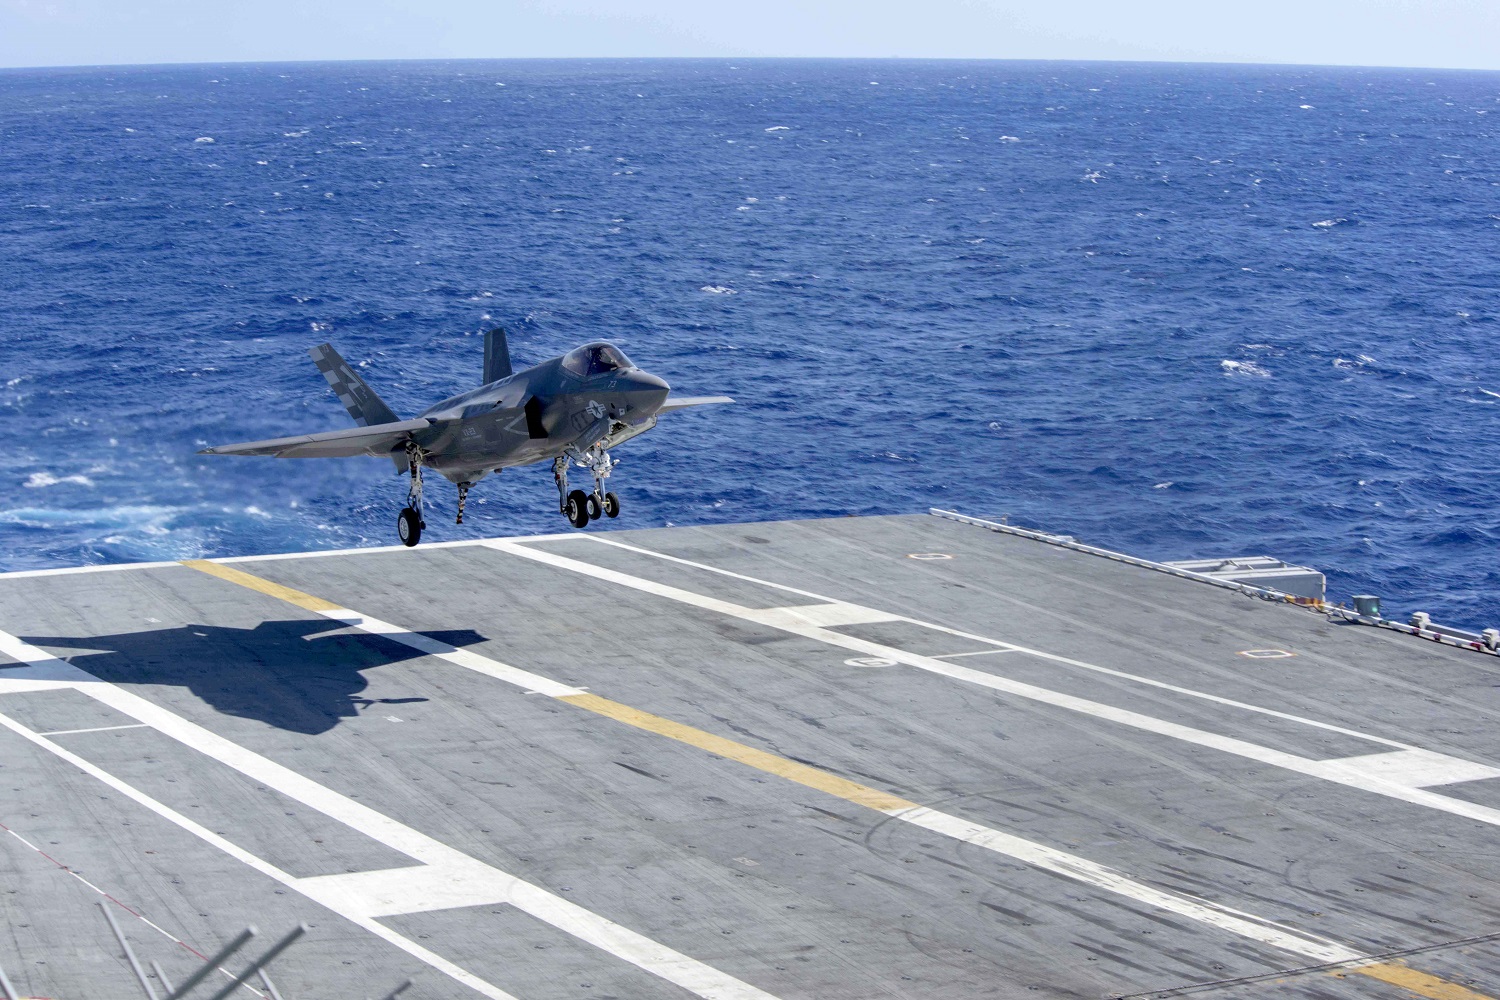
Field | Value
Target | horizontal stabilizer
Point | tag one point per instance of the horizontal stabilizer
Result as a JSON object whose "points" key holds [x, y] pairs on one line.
{"points": [[381, 439], [683, 402]]}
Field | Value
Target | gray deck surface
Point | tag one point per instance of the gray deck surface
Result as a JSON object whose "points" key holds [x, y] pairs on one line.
{"points": [[766, 884]]}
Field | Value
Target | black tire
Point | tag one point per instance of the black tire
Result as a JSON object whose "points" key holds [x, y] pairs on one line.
{"points": [[409, 527], [578, 509], [611, 505], [595, 507]]}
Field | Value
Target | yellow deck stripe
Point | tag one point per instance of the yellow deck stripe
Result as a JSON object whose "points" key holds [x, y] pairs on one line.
{"points": [[1418, 982], [802, 774], [287, 594], [1395, 974]]}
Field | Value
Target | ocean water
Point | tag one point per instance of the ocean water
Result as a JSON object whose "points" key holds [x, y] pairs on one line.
{"points": [[1181, 311]]}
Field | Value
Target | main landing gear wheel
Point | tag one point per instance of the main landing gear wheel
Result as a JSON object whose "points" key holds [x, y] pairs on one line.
{"points": [[595, 507], [409, 527], [611, 505], [577, 509]]}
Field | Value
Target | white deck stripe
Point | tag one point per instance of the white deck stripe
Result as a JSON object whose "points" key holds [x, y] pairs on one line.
{"points": [[439, 860], [1060, 862], [1009, 646], [821, 616], [264, 867], [20, 574], [1005, 647], [362, 897], [1414, 768], [116, 567], [1364, 779], [96, 729], [371, 892]]}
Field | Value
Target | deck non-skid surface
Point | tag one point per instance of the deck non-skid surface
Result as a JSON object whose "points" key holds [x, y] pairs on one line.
{"points": [[770, 760]]}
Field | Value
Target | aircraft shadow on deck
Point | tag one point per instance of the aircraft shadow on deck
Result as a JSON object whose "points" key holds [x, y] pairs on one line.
{"points": [[293, 675]]}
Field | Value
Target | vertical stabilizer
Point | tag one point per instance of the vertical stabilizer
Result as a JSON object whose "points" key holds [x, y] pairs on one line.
{"points": [[359, 399], [496, 356]]}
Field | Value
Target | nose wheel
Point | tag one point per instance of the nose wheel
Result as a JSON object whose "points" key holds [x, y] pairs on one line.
{"points": [[577, 506]]}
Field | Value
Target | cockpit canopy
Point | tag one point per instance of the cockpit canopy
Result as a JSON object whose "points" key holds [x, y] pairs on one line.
{"points": [[595, 359]]}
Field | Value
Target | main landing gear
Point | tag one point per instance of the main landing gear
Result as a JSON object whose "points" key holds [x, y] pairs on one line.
{"points": [[577, 506], [410, 523]]}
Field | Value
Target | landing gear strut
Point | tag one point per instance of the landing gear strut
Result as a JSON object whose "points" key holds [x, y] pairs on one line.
{"points": [[577, 506], [410, 524], [463, 494]]}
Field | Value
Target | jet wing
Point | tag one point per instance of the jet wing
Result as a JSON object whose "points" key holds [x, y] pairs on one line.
{"points": [[683, 402], [377, 439]]}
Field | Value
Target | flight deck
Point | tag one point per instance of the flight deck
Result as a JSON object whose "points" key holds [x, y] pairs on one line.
{"points": [[865, 757]]}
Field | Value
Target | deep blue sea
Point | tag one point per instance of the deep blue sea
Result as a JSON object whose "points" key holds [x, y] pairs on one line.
{"points": [[1180, 311]]}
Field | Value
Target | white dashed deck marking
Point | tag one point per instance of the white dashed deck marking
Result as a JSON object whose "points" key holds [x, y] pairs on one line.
{"points": [[819, 616], [445, 877], [370, 891], [1364, 778], [1412, 768], [95, 729]]}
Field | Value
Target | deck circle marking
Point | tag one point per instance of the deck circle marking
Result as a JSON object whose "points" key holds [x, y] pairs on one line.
{"points": [[928, 555], [869, 661], [1266, 654]]}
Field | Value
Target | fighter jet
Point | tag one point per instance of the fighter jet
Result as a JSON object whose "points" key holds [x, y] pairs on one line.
{"points": [[570, 410]]}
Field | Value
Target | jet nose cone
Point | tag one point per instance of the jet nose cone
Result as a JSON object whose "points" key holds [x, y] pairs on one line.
{"points": [[646, 392], [645, 380]]}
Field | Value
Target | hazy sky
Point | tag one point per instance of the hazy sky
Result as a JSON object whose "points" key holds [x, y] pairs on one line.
{"points": [[1429, 33]]}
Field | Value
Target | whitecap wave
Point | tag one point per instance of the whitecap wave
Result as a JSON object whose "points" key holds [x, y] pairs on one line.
{"points": [[717, 290], [1329, 223], [1244, 368], [37, 480]]}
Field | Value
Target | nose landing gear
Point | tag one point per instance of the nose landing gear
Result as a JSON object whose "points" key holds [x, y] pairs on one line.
{"points": [[577, 506]]}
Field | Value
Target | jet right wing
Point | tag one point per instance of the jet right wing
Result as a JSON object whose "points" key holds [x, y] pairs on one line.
{"points": [[377, 439], [683, 402]]}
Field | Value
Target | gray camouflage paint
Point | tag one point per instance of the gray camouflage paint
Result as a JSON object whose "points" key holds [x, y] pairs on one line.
{"points": [[468, 436]]}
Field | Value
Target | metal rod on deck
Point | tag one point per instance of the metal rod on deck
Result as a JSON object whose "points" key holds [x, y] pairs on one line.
{"points": [[135, 964], [166, 983], [265, 981], [212, 964], [10, 991], [259, 963]]}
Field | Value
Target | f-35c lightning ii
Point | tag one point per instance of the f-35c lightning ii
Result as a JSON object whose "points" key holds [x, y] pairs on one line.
{"points": [[571, 410]]}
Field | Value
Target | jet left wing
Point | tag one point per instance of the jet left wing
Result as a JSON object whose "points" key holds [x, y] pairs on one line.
{"points": [[378, 439], [683, 402]]}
